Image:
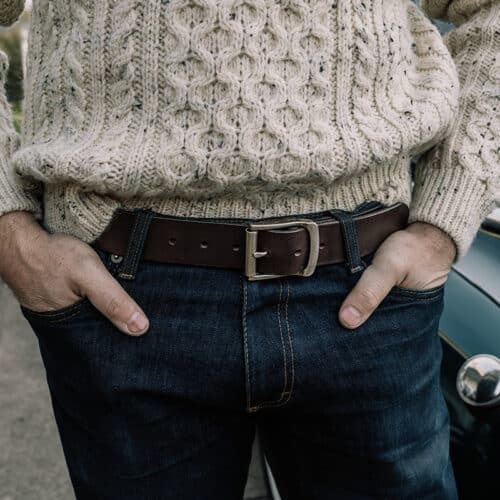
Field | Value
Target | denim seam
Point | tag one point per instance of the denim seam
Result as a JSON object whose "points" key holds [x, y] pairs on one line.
{"points": [[280, 326], [245, 348], [292, 355], [286, 393]]}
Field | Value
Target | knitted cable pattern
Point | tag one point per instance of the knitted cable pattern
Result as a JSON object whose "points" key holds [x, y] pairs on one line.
{"points": [[251, 108], [74, 58], [463, 171], [121, 91], [479, 150]]}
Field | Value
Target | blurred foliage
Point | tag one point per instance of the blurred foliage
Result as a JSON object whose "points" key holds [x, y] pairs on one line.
{"points": [[10, 43], [17, 114]]}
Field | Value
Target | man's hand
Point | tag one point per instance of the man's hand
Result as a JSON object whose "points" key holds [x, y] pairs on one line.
{"points": [[418, 257], [48, 272]]}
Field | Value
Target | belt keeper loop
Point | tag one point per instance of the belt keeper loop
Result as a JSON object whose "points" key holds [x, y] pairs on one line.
{"points": [[355, 263], [136, 244]]}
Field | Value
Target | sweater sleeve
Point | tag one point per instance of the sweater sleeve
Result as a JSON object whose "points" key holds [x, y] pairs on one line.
{"points": [[456, 181], [15, 194]]}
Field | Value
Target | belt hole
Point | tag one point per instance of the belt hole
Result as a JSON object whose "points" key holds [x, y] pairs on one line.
{"points": [[204, 244], [321, 246], [236, 248], [172, 242], [297, 253]]}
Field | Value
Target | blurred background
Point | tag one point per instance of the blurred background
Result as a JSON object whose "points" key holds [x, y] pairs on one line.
{"points": [[14, 41]]}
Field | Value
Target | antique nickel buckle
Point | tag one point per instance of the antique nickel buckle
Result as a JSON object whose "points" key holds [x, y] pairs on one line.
{"points": [[252, 254]]}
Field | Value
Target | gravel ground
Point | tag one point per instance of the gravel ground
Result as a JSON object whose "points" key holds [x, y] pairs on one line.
{"points": [[31, 462]]}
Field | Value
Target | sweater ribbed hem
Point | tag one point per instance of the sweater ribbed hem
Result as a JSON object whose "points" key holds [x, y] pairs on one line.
{"points": [[453, 200], [86, 215]]}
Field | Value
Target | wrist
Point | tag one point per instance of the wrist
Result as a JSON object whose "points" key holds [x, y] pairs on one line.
{"points": [[437, 239], [20, 234], [18, 219]]}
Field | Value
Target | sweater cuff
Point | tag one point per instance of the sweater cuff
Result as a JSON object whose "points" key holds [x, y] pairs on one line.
{"points": [[452, 200], [13, 197]]}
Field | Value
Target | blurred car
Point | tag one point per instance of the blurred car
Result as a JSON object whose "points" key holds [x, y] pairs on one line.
{"points": [[470, 374]]}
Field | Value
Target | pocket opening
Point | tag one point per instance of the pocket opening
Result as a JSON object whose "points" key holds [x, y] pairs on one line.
{"points": [[57, 315], [419, 294]]}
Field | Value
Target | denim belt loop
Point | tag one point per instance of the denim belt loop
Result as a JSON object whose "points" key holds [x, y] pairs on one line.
{"points": [[135, 245], [355, 263]]}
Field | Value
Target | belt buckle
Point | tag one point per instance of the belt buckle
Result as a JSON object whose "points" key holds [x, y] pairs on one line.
{"points": [[252, 254]]}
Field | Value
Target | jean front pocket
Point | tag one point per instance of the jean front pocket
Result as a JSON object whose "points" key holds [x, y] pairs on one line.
{"points": [[429, 294], [59, 315], [66, 313]]}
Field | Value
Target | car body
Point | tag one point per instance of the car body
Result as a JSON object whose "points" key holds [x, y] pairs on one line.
{"points": [[470, 326]]}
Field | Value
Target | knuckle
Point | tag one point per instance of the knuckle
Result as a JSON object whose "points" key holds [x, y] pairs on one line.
{"points": [[89, 260], [114, 307], [395, 266], [88, 269], [394, 259], [368, 299]]}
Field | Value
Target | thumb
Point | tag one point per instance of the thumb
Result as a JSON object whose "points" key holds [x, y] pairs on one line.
{"points": [[373, 286], [109, 297]]}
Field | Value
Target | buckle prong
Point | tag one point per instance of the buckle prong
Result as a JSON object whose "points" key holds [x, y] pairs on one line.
{"points": [[252, 254], [258, 255]]}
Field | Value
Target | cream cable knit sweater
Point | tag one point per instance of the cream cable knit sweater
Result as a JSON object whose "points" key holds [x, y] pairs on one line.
{"points": [[251, 108]]}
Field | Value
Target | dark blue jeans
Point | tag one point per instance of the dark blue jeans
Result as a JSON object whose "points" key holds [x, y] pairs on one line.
{"points": [[172, 415]]}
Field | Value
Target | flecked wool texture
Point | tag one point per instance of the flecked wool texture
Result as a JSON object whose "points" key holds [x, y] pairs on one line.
{"points": [[254, 108]]}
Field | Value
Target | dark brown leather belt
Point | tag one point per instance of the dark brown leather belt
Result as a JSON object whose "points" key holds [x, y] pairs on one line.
{"points": [[262, 250]]}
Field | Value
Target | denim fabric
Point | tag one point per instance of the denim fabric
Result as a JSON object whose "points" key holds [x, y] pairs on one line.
{"points": [[172, 415]]}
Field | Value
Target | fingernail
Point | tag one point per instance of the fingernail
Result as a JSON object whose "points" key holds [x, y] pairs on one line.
{"points": [[351, 316], [137, 323]]}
